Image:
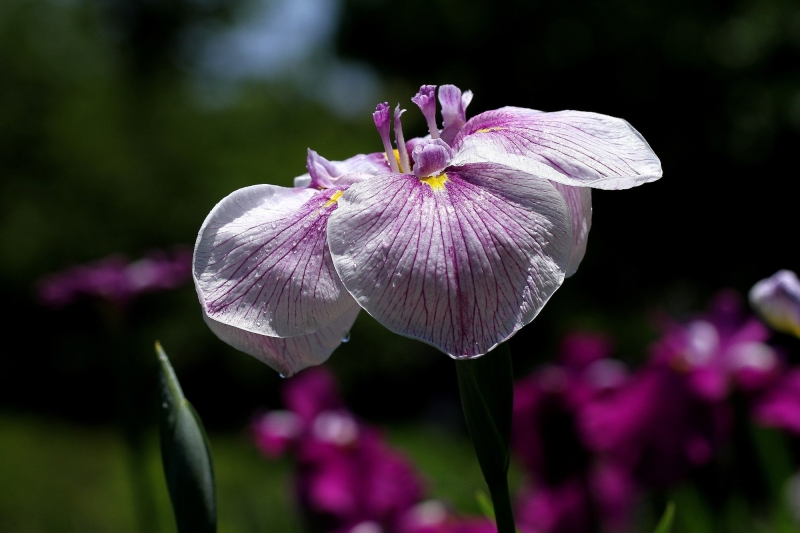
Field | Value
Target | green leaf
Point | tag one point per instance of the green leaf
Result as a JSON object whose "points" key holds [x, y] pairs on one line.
{"points": [[485, 504], [665, 524], [185, 456]]}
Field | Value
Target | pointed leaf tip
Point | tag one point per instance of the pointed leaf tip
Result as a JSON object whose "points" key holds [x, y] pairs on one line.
{"points": [[665, 524], [185, 456]]}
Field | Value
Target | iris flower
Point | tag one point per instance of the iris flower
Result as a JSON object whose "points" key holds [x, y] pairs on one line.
{"points": [[777, 300], [457, 239]]}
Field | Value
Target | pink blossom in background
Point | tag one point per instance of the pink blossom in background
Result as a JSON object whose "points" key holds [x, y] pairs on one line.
{"points": [[722, 349], [569, 487], [117, 280], [655, 426], [348, 479], [779, 407]]}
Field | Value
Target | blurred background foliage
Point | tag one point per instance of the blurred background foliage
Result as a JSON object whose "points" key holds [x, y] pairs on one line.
{"points": [[122, 122]]}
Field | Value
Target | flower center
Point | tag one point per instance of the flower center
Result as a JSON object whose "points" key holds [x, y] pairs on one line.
{"points": [[430, 156], [435, 182]]}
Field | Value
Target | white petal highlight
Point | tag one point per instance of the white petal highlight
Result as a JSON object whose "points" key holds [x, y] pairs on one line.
{"points": [[460, 261], [261, 262], [579, 201], [571, 147], [287, 355]]}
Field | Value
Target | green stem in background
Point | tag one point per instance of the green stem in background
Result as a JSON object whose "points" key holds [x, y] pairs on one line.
{"points": [[133, 375], [486, 385]]}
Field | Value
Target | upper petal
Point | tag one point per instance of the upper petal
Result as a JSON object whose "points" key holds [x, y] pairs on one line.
{"points": [[288, 355], [460, 262], [579, 201], [570, 147], [261, 262]]}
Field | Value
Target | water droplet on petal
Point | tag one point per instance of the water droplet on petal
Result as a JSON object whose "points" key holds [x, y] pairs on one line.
{"points": [[281, 375], [346, 337]]}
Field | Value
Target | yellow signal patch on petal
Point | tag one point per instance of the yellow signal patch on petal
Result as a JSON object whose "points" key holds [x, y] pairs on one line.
{"points": [[487, 130], [396, 156], [334, 198], [436, 182]]}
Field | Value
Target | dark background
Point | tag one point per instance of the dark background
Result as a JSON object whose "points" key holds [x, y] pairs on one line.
{"points": [[106, 147]]}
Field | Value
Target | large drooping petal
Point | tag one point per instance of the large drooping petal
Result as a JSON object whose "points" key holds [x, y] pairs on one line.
{"points": [[579, 201], [460, 261], [570, 147], [261, 262], [288, 355]]}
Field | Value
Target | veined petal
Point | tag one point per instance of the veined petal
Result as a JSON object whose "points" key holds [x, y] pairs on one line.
{"points": [[571, 147], [579, 201], [361, 165], [287, 355], [460, 261], [261, 262]]}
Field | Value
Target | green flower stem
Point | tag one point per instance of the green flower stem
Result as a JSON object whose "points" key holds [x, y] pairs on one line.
{"points": [[486, 385]]}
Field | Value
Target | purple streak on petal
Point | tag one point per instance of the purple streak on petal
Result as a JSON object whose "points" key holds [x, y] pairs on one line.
{"points": [[579, 201], [426, 101], [262, 264], [382, 118], [287, 355], [570, 147], [431, 157], [462, 266], [777, 301], [453, 111], [405, 164]]}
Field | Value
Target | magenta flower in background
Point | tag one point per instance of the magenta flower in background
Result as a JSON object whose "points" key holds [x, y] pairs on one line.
{"points": [[458, 239], [348, 480], [777, 300], [117, 280], [673, 415], [725, 347], [779, 406], [569, 487], [347, 477], [655, 426]]}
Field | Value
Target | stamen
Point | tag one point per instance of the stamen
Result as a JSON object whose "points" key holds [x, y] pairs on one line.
{"points": [[382, 122], [426, 101], [400, 141]]}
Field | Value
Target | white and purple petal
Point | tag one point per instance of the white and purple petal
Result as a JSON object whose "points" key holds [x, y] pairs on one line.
{"points": [[342, 173], [261, 262], [287, 355], [461, 262], [571, 147], [579, 201]]}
